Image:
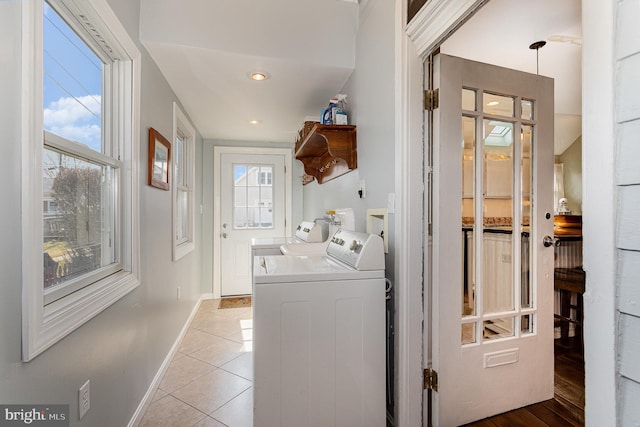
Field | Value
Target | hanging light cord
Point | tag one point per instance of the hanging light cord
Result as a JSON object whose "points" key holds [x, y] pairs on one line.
{"points": [[537, 45]]}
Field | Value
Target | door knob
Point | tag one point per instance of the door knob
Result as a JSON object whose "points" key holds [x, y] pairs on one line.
{"points": [[224, 235], [550, 241]]}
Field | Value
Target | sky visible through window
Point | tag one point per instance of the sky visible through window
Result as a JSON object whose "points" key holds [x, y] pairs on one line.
{"points": [[72, 84]]}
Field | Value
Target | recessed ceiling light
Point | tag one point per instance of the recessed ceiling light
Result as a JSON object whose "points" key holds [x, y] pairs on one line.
{"points": [[259, 75], [255, 122], [492, 103]]}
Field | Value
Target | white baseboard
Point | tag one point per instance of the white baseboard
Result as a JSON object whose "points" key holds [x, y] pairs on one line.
{"points": [[146, 400]]}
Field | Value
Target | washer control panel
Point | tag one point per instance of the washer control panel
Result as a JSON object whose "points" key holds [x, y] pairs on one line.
{"points": [[361, 251]]}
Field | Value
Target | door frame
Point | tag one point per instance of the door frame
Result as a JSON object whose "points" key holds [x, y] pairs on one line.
{"points": [[414, 42], [218, 151]]}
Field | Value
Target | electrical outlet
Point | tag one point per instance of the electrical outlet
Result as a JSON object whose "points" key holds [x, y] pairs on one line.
{"points": [[84, 399], [178, 293]]}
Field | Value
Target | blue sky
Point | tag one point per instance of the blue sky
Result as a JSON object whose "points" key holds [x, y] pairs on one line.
{"points": [[72, 84]]}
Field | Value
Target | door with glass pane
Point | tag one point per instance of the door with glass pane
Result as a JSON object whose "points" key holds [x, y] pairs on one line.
{"points": [[492, 288], [252, 205]]}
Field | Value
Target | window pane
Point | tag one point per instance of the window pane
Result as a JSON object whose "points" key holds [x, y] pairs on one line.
{"points": [[253, 217], [498, 288], [469, 99], [240, 217], [266, 195], [527, 109], [468, 333], [182, 212], [240, 196], [526, 324], [266, 217], [179, 158], [468, 214], [526, 174], [497, 105], [253, 196], [266, 173], [77, 233], [72, 84], [498, 328]]}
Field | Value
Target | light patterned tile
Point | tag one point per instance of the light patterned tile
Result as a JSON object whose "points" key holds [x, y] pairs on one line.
{"points": [[159, 394], [220, 352], [178, 356], [209, 422], [194, 340], [212, 391], [241, 366], [183, 371], [170, 412], [238, 412], [192, 378], [209, 305], [217, 325]]}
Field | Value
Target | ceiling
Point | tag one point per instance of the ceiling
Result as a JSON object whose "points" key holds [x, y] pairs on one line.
{"points": [[206, 49]]}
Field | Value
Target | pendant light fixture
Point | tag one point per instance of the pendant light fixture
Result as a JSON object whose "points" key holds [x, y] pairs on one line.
{"points": [[537, 45]]}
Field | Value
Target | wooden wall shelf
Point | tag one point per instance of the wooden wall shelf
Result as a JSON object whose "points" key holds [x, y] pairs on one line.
{"points": [[327, 151]]}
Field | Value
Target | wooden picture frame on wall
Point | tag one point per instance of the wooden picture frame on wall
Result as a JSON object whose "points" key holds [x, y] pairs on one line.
{"points": [[159, 160]]}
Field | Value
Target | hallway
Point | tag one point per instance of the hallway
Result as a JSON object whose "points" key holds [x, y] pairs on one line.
{"points": [[209, 380]]}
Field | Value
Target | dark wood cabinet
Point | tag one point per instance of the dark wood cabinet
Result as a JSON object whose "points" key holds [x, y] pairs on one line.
{"points": [[327, 151]]}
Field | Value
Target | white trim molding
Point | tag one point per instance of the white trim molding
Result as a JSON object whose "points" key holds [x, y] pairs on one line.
{"points": [[182, 124], [44, 325], [436, 20]]}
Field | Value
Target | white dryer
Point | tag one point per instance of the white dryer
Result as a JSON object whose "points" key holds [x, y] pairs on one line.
{"points": [[307, 232], [319, 336]]}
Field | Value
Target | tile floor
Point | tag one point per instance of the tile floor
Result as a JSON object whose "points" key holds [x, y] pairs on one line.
{"points": [[209, 381]]}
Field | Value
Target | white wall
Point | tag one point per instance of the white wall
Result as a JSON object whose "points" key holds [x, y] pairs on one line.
{"points": [[121, 349], [371, 101]]}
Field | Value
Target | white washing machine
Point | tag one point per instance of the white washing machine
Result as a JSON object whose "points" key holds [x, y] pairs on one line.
{"points": [[319, 336], [307, 232]]}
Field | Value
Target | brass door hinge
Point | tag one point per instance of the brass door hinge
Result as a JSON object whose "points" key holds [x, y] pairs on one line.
{"points": [[431, 99], [430, 379]]}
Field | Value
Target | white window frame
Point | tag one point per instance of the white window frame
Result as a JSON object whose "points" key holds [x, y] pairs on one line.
{"points": [[44, 325], [182, 126]]}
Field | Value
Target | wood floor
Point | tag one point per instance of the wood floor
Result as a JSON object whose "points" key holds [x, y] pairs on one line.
{"points": [[567, 406]]}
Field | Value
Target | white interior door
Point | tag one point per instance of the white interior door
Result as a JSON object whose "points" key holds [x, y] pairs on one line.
{"points": [[252, 204], [492, 284]]}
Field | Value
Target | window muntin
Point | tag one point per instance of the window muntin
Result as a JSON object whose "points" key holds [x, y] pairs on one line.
{"points": [[252, 196]]}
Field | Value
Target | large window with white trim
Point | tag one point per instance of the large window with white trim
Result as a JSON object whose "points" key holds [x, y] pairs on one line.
{"points": [[80, 196], [184, 136]]}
